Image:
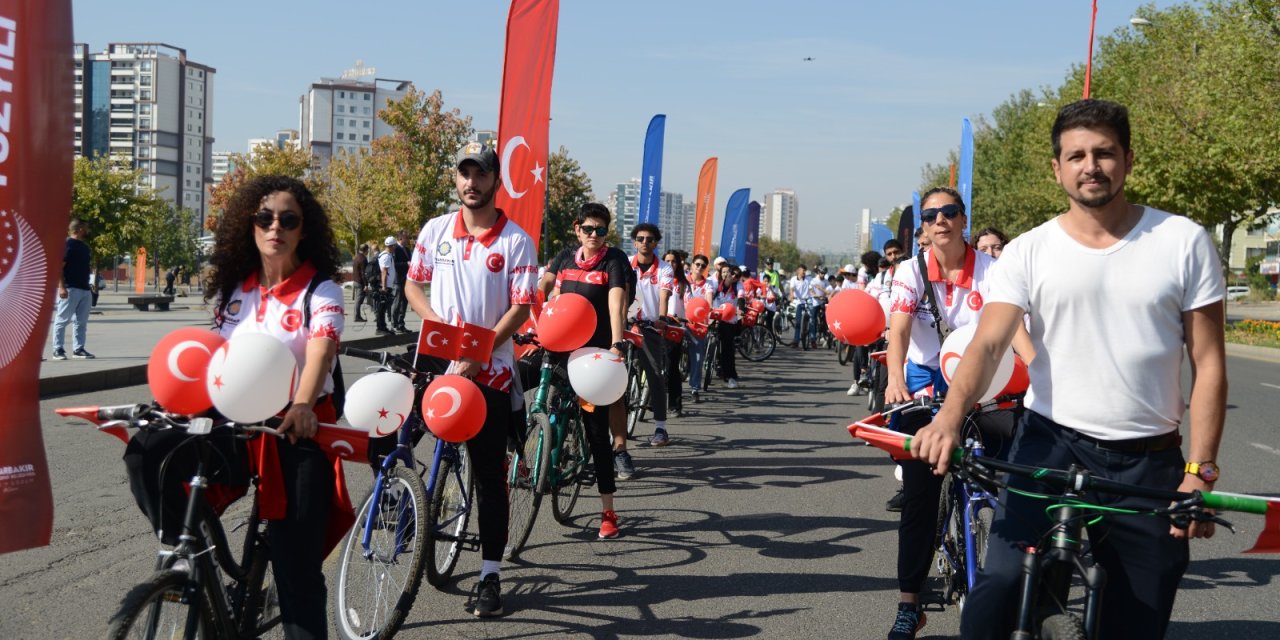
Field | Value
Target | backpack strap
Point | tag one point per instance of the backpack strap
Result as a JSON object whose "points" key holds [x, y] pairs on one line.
{"points": [[931, 299]]}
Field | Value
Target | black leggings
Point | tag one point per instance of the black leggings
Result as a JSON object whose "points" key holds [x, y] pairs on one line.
{"points": [[728, 349], [600, 441], [488, 451], [297, 542], [675, 384]]}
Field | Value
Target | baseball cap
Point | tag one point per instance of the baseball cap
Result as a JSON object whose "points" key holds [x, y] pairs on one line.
{"points": [[389, 241], [849, 268], [479, 154], [719, 260]]}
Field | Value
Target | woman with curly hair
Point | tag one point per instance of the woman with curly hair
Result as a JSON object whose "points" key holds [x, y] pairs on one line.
{"points": [[275, 253]]}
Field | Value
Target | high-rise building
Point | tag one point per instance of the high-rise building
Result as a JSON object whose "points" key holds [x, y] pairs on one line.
{"points": [[625, 206], [145, 103], [284, 138], [487, 137], [671, 221], [342, 114], [862, 231], [780, 215], [690, 217], [221, 164]]}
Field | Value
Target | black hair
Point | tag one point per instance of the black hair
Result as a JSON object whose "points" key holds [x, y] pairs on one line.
{"points": [[947, 190], [646, 226], [990, 231], [704, 258], [594, 211], [870, 260], [1091, 114], [891, 243]]}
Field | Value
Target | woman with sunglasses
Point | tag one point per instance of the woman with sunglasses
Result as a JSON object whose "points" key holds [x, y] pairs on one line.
{"points": [[700, 286], [680, 288], [957, 277], [728, 290], [274, 247]]}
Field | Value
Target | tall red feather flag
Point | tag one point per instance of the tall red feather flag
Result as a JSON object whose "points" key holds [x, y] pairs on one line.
{"points": [[35, 197], [525, 113]]}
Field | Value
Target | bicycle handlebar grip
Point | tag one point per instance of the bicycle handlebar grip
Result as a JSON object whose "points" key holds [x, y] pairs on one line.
{"points": [[375, 356], [121, 412], [1234, 502]]}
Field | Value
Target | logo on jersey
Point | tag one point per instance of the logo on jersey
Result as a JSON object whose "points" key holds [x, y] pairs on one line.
{"points": [[974, 300], [496, 262], [444, 248], [233, 309], [291, 320]]}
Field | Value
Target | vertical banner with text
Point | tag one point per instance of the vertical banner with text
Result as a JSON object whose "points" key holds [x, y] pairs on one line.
{"points": [[651, 172], [525, 113], [910, 246], [751, 255], [705, 209], [907, 230], [733, 238], [35, 199], [965, 182]]}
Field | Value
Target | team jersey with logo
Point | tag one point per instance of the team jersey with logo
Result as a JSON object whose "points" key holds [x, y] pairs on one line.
{"points": [[699, 289], [278, 312], [477, 279], [651, 281], [959, 303], [720, 296], [594, 284]]}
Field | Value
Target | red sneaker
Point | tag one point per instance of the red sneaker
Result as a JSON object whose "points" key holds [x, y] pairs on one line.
{"points": [[608, 525]]}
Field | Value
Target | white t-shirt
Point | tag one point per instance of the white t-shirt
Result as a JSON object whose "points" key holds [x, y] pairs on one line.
{"points": [[800, 288], [651, 281], [1107, 323], [477, 279], [719, 297], [387, 261], [700, 289], [282, 314], [880, 287], [960, 304]]}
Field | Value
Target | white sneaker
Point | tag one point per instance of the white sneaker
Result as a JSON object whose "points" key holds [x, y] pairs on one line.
{"points": [[733, 383], [853, 390]]}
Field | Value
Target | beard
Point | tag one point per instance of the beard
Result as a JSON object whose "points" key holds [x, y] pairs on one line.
{"points": [[486, 198], [1093, 202]]}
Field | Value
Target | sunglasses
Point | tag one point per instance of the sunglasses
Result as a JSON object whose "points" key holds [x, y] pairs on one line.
{"points": [[599, 232], [949, 211], [288, 220], [646, 239], [699, 264]]}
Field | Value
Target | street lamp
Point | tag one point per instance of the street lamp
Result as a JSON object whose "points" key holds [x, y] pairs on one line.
{"points": [[1141, 22]]}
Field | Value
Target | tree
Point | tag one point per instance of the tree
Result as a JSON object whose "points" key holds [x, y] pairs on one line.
{"points": [[171, 241], [423, 148], [365, 196], [568, 188], [779, 251], [107, 195], [264, 160]]}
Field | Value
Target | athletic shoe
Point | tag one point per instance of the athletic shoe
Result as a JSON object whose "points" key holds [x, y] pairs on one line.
{"points": [[59, 354], [608, 525], [853, 390], [697, 396], [488, 597], [910, 621], [659, 438], [732, 383], [895, 503], [623, 467], [81, 354], [384, 332]]}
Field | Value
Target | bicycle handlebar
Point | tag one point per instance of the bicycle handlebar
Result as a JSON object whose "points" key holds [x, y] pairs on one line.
{"points": [[386, 360]]}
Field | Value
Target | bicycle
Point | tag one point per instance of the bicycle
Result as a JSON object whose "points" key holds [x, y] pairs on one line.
{"points": [[402, 522], [639, 391], [1060, 555], [784, 323], [189, 594], [756, 342]]}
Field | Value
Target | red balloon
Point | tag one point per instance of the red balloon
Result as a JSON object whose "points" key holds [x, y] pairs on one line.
{"points": [[453, 408], [1020, 381], [854, 317], [566, 323], [728, 311], [697, 310], [177, 367]]}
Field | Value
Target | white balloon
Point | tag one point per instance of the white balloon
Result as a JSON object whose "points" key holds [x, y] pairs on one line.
{"points": [[379, 403], [952, 350], [597, 375], [251, 377]]}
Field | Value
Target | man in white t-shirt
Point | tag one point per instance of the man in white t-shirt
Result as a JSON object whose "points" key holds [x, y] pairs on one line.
{"points": [[654, 283], [387, 280], [801, 286], [1106, 388], [481, 267]]}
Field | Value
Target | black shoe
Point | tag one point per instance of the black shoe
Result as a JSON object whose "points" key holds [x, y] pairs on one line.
{"points": [[384, 332], [402, 330], [910, 621], [81, 354], [59, 354], [895, 503], [488, 597]]}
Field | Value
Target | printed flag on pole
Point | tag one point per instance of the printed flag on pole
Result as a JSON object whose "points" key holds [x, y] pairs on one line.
{"points": [[705, 211], [439, 340], [525, 113], [751, 254], [733, 237], [651, 172], [965, 183], [35, 196]]}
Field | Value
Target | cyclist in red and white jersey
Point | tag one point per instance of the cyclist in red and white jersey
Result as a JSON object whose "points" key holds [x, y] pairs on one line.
{"points": [[654, 283], [700, 286], [726, 292]]}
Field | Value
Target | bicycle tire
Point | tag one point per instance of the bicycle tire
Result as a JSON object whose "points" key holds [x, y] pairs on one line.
{"points": [[759, 344], [1061, 626], [635, 412], [569, 466], [153, 609], [527, 472], [784, 325], [682, 365], [261, 609], [374, 610], [875, 395], [980, 529], [948, 541], [449, 512], [709, 362], [845, 354]]}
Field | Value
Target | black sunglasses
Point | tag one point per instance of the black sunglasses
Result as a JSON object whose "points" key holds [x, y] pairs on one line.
{"points": [[646, 239], [949, 211], [288, 220], [599, 232], [699, 264]]}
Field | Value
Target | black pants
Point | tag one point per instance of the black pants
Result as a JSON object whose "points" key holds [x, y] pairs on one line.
{"points": [[382, 306], [488, 451], [728, 332], [1144, 564], [860, 356], [675, 384], [653, 357], [601, 443], [361, 293], [297, 542], [399, 306], [919, 519]]}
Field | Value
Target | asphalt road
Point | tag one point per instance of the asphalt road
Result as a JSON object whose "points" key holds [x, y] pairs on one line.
{"points": [[763, 519]]}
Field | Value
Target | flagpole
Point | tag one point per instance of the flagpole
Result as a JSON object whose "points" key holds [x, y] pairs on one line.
{"points": [[1088, 65]]}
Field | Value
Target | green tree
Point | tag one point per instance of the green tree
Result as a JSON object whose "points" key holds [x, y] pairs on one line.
{"points": [[264, 160], [426, 141], [779, 251], [107, 195], [568, 188], [366, 198], [172, 238]]}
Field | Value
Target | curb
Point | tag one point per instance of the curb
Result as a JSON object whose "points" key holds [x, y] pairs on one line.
{"points": [[1265, 354], [91, 381]]}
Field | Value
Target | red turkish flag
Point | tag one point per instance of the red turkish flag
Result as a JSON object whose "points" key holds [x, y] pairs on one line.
{"points": [[440, 340], [525, 113], [477, 342], [35, 196]]}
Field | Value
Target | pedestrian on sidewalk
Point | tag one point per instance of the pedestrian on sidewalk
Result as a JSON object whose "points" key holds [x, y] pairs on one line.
{"points": [[358, 266], [400, 256], [387, 286], [74, 295]]}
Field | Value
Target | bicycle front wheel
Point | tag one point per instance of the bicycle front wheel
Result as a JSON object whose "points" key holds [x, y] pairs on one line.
{"points": [[710, 362], [637, 399], [154, 609], [377, 586], [758, 344], [845, 353], [448, 513], [569, 465], [784, 326], [527, 471], [948, 540]]}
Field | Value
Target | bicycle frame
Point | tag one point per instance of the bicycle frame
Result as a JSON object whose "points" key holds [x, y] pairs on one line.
{"points": [[559, 428], [973, 497], [402, 454]]}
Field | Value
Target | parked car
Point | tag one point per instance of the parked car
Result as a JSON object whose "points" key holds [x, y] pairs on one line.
{"points": [[1237, 292]]}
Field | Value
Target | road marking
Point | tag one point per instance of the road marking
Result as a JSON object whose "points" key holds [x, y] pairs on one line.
{"points": [[1273, 386], [1266, 448]]}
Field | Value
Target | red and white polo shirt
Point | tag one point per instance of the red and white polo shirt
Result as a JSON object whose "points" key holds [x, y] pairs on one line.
{"points": [[650, 282], [278, 312], [477, 278], [960, 303]]}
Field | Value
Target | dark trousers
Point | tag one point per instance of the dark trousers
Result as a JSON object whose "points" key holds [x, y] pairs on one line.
{"points": [[399, 306], [919, 519], [601, 443], [653, 357], [728, 332], [297, 542], [860, 357], [675, 384], [488, 451], [1144, 564], [381, 306], [361, 294]]}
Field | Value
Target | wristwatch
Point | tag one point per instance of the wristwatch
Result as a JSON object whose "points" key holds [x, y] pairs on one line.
{"points": [[1207, 470], [620, 345]]}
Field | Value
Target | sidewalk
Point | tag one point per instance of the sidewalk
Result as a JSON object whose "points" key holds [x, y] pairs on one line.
{"points": [[122, 337]]}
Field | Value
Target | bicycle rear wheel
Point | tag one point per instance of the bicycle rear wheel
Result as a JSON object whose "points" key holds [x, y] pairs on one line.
{"points": [[154, 609], [570, 465], [377, 587], [844, 353], [783, 326], [637, 399], [1062, 626], [448, 513], [527, 472], [758, 343]]}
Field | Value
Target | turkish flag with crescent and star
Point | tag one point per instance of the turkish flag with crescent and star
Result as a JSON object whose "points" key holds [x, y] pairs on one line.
{"points": [[525, 113], [477, 343], [35, 196], [440, 340]]}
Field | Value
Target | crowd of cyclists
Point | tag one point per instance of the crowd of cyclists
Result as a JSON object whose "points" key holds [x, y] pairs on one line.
{"points": [[474, 265]]}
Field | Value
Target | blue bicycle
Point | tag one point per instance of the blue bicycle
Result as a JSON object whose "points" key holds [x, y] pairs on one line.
{"points": [[402, 523]]}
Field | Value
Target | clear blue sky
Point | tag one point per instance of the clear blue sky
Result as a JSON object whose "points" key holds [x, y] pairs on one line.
{"points": [[885, 93]]}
